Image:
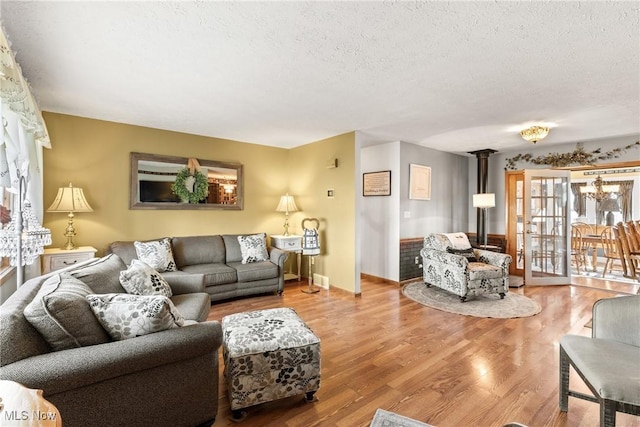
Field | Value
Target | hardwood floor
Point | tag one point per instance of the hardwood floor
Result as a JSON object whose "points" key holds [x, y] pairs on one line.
{"points": [[383, 350]]}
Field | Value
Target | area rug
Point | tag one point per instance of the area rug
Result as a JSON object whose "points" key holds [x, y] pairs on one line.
{"points": [[384, 418], [513, 305]]}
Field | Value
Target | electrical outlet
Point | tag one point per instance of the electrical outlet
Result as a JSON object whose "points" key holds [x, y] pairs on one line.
{"points": [[416, 260]]}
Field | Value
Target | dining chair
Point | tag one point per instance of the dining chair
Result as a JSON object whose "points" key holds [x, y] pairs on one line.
{"points": [[610, 250], [631, 258], [578, 248]]}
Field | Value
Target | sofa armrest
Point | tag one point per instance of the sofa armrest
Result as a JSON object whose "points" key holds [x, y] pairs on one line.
{"points": [[278, 257], [70, 369], [458, 262], [185, 283], [494, 258]]}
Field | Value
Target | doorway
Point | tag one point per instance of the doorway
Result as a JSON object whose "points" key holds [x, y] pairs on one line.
{"points": [[588, 212]]}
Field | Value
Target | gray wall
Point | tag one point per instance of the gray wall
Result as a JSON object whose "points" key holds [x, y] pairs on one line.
{"points": [[382, 218]]}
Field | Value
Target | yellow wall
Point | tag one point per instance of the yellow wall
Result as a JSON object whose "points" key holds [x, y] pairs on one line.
{"points": [[94, 155], [309, 180]]}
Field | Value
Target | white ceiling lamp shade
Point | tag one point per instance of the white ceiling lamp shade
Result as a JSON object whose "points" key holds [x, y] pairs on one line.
{"points": [[534, 133]]}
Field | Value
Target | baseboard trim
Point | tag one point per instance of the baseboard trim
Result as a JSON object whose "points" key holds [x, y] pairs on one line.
{"points": [[378, 279]]}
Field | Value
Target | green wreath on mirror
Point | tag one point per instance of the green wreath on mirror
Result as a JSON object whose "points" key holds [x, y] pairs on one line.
{"points": [[182, 184]]}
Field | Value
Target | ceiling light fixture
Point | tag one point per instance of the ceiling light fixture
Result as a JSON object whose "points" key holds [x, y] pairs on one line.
{"points": [[534, 133]]}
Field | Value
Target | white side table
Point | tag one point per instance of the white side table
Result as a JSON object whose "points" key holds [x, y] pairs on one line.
{"points": [[55, 258], [291, 244]]}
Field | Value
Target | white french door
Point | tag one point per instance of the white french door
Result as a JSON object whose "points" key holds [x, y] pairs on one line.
{"points": [[547, 236]]}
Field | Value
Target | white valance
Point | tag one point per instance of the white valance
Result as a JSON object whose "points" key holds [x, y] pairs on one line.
{"points": [[24, 132]]}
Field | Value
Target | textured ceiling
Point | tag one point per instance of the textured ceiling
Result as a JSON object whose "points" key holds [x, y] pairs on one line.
{"points": [[454, 76]]}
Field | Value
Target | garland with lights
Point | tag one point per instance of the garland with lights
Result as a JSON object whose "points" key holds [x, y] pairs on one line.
{"points": [[577, 157], [185, 180]]}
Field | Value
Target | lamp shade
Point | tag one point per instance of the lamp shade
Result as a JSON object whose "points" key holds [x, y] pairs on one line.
{"points": [[484, 200], [287, 204], [70, 199]]}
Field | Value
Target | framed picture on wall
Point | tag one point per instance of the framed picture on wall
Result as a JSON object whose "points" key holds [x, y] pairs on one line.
{"points": [[376, 183], [419, 182]]}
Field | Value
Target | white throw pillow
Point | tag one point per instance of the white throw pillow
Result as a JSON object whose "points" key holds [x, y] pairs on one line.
{"points": [[127, 316], [140, 279], [156, 254], [458, 240], [253, 248]]}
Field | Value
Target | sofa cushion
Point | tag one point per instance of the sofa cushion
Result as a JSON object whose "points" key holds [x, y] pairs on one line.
{"points": [[140, 279], [232, 248], [214, 274], [192, 250], [253, 248], [125, 250], [157, 254], [480, 270], [18, 338], [194, 306], [127, 316], [255, 271], [62, 315], [102, 275]]}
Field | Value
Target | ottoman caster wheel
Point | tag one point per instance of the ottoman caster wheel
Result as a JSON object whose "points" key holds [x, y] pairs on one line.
{"points": [[238, 415], [502, 295], [310, 397]]}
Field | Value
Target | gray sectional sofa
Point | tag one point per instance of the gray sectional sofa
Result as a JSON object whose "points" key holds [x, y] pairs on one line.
{"points": [[166, 378], [219, 259]]}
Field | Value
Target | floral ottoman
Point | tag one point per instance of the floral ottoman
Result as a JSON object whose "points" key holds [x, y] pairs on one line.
{"points": [[268, 355]]}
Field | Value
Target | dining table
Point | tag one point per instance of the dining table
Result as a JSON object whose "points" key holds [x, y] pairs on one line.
{"points": [[595, 241]]}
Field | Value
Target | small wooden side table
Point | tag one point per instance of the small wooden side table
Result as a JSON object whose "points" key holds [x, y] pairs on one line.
{"points": [[55, 258]]}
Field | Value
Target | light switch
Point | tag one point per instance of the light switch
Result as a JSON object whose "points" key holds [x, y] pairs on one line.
{"points": [[330, 193]]}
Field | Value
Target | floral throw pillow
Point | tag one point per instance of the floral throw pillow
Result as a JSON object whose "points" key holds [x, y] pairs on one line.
{"points": [[127, 316], [253, 248], [156, 254], [140, 279]]}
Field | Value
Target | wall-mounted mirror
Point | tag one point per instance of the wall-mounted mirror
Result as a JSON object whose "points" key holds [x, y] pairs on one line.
{"points": [[153, 175]]}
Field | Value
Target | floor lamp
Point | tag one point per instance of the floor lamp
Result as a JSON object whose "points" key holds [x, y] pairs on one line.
{"points": [[23, 239], [484, 201]]}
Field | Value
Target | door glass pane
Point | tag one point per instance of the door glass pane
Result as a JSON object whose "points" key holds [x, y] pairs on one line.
{"points": [[548, 235]]}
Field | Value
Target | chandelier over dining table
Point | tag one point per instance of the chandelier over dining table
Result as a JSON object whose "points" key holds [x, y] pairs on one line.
{"points": [[599, 190]]}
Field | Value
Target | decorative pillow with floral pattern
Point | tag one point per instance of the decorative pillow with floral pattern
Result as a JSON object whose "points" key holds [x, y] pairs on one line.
{"points": [[157, 254], [127, 316], [253, 248], [140, 279]]}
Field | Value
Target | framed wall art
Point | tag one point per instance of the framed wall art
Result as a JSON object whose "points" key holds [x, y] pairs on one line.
{"points": [[376, 183], [419, 182]]}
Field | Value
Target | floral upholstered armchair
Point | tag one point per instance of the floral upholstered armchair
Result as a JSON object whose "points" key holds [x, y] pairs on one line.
{"points": [[450, 263]]}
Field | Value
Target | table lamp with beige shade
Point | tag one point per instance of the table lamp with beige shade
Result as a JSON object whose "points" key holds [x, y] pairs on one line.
{"points": [[286, 205], [70, 199]]}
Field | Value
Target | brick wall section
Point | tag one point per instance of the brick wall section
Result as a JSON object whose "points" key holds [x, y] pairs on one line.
{"points": [[409, 250]]}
